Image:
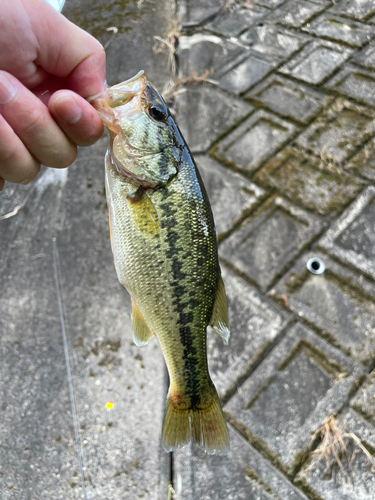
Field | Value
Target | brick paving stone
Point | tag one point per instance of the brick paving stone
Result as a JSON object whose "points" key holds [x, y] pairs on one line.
{"points": [[299, 178], [254, 141], [232, 197], [295, 13], [232, 23], [357, 482], [366, 56], [289, 394], [201, 52], [241, 76], [273, 41], [206, 112], [338, 131], [254, 323], [268, 240], [352, 237], [288, 98], [363, 163], [316, 61], [243, 475], [338, 303], [354, 82], [340, 29], [364, 400], [195, 12], [358, 9]]}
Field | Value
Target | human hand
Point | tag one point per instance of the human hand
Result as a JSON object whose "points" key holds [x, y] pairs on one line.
{"points": [[47, 67]]}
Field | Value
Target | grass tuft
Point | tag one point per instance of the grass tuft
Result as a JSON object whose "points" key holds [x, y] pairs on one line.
{"points": [[338, 448]]}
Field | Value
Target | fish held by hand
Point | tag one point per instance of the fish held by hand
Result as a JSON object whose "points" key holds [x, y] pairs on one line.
{"points": [[165, 252]]}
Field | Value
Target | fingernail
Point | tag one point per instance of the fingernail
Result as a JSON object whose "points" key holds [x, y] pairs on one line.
{"points": [[7, 89], [67, 109]]}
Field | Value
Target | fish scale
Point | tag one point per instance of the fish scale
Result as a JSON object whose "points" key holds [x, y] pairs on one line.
{"points": [[165, 252]]}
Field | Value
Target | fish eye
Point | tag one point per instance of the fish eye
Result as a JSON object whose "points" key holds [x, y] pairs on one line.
{"points": [[156, 114]]}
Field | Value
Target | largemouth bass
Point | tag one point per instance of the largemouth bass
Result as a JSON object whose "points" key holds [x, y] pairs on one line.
{"points": [[164, 246]]}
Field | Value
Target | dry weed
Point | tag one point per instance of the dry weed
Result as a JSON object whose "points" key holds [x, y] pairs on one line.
{"points": [[192, 79], [334, 448]]}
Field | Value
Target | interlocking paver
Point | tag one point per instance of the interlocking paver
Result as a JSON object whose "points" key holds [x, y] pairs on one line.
{"points": [[196, 12], [317, 61], [232, 197], [295, 13], [249, 313], [340, 29], [338, 303], [241, 76], [273, 41], [202, 52], [288, 98], [305, 181], [358, 9], [268, 240], [234, 22], [207, 107], [366, 56], [270, 3], [254, 140], [244, 474], [354, 82], [363, 163], [354, 481], [338, 131], [352, 237], [288, 396], [364, 401]]}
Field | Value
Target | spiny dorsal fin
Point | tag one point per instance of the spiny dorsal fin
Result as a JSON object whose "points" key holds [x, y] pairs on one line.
{"points": [[141, 332], [219, 318]]}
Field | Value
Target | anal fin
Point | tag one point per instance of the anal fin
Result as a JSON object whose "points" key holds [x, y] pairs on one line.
{"points": [[219, 319], [141, 332]]}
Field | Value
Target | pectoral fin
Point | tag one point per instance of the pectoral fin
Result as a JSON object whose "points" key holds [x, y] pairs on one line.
{"points": [[219, 318], [144, 214], [141, 332]]}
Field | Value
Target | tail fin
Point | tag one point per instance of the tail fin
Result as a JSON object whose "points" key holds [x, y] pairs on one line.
{"points": [[206, 427]]}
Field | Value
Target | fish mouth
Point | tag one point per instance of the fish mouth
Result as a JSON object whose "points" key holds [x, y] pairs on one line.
{"points": [[110, 103]]}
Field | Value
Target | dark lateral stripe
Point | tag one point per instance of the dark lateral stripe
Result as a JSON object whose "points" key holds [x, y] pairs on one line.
{"points": [[181, 306]]}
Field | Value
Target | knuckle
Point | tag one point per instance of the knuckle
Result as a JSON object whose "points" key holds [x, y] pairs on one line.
{"points": [[8, 154], [36, 120]]}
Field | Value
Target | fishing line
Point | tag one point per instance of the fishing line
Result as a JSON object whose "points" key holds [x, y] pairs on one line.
{"points": [[56, 268]]}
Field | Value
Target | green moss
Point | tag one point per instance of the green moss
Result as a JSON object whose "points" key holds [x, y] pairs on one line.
{"points": [[251, 474]]}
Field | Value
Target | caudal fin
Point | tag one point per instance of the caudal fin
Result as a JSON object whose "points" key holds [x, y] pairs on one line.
{"points": [[206, 427]]}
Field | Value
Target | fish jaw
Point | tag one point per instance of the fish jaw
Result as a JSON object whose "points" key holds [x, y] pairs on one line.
{"points": [[110, 103], [144, 150]]}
